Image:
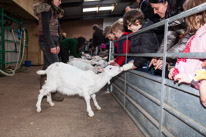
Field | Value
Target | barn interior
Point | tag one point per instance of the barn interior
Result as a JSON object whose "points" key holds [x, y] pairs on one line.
{"points": [[18, 94], [135, 104]]}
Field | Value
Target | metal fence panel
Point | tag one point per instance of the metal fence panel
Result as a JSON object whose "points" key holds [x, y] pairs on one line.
{"points": [[139, 94]]}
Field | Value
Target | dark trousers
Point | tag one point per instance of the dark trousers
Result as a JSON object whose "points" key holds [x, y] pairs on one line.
{"points": [[49, 58], [64, 54]]}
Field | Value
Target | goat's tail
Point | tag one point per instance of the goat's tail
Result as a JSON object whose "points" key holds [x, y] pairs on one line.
{"points": [[41, 72]]}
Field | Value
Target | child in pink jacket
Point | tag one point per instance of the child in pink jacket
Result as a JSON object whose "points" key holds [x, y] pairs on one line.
{"points": [[185, 69]]}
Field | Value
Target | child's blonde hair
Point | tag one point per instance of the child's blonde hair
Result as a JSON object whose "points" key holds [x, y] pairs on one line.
{"points": [[107, 30], [194, 22], [118, 25]]}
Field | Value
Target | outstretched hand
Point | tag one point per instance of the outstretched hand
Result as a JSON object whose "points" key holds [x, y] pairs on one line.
{"points": [[183, 78], [157, 63], [114, 64], [170, 75], [152, 62]]}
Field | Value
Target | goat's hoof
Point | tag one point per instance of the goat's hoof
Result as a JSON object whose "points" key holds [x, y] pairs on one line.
{"points": [[38, 110], [91, 114], [52, 104], [99, 108]]}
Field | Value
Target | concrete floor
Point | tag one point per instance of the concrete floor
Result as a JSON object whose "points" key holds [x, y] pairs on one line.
{"points": [[18, 116]]}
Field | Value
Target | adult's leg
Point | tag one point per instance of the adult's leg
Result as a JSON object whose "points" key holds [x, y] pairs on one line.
{"points": [[49, 59]]}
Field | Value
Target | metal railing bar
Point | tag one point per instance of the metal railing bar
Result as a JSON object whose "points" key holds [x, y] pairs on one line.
{"points": [[181, 15], [170, 83], [146, 75], [184, 88], [189, 12], [198, 55]]}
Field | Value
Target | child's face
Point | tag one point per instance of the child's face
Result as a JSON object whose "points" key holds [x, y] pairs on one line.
{"points": [[134, 27], [117, 33], [110, 36]]}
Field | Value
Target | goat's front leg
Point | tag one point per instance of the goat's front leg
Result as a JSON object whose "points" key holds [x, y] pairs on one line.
{"points": [[95, 102], [89, 109]]}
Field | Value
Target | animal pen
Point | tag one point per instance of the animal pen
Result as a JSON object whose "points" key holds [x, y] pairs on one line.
{"points": [[157, 105]]}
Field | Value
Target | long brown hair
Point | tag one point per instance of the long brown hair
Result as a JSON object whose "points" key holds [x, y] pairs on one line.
{"points": [[194, 22]]}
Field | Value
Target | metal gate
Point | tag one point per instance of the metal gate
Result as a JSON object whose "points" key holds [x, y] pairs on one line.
{"points": [[157, 105]]}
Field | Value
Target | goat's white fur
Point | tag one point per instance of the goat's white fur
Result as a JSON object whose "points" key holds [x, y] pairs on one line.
{"points": [[70, 80], [84, 66]]}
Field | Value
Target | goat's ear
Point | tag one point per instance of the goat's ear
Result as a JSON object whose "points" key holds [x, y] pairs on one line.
{"points": [[108, 82]]}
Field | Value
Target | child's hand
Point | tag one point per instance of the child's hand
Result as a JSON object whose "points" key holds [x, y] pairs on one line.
{"points": [[182, 78], [170, 75], [203, 92], [131, 62], [152, 62], [113, 64], [158, 64], [133, 66]]}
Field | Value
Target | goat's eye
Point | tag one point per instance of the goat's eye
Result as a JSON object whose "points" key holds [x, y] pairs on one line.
{"points": [[110, 68]]}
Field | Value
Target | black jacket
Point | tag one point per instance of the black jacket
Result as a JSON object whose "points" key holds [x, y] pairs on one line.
{"points": [[98, 37], [145, 42]]}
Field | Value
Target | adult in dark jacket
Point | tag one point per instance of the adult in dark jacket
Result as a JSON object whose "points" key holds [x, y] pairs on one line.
{"points": [[147, 10], [145, 42], [47, 13], [144, 5], [98, 37], [166, 9]]}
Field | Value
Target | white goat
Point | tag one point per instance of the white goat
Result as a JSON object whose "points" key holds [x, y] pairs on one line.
{"points": [[101, 63], [70, 80], [84, 66]]}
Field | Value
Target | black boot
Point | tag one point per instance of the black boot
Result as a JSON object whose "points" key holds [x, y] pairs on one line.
{"points": [[57, 97]]}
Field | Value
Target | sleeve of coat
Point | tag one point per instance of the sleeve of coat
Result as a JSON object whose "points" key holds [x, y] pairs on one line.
{"points": [[171, 39], [148, 44], [180, 46], [175, 29], [123, 50], [46, 16]]}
